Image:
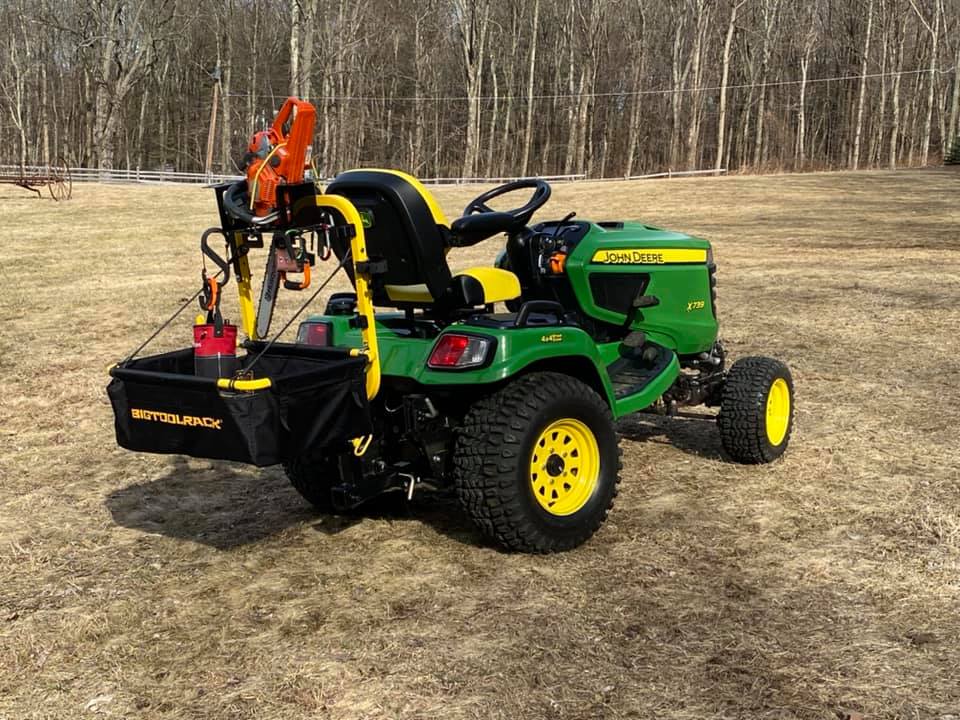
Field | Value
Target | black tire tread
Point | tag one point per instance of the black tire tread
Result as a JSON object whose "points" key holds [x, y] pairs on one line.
{"points": [[311, 478], [743, 407], [488, 448]]}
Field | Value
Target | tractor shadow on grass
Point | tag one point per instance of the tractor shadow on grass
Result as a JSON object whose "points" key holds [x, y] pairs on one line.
{"points": [[227, 506], [695, 434]]}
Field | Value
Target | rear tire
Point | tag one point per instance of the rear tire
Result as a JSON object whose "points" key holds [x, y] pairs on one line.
{"points": [[313, 478], [536, 464], [756, 410]]}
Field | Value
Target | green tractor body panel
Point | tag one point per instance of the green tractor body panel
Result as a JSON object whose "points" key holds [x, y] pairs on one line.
{"points": [[673, 267], [517, 350], [610, 266]]}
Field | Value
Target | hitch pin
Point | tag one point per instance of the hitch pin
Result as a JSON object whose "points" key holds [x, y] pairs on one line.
{"points": [[412, 481]]}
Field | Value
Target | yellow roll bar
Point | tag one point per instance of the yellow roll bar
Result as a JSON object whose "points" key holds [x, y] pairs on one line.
{"points": [[368, 330], [358, 254], [248, 316]]}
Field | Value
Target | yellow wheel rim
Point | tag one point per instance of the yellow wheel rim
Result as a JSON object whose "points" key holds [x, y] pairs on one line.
{"points": [[778, 411], [564, 466]]}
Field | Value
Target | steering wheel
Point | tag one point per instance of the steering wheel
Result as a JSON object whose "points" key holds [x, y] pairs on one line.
{"points": [[480, 221], [522, 215]]}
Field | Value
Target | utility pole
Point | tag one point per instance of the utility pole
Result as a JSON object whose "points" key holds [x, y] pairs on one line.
{"points": [[212, 132]]}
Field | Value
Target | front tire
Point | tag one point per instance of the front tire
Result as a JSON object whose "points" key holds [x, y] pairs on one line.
{"points": [[536, 464], [756, 410]]}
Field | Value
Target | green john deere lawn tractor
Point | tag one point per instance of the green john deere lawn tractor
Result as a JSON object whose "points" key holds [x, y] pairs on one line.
{"points": [[501, 382]]}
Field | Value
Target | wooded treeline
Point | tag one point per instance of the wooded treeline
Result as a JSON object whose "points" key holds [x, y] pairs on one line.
{"points": [[485, 87]]}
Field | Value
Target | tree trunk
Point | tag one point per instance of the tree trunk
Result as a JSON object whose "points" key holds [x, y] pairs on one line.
{"points": [[473, 18], [953, 127], [876, 138], [226, 103], [574, 90], [696, 94], [770, 10], [724, 81], [679, 79], [858, 131], [495, 110], [506, 143], [800, 155], [44, 112], [306, 60], [142, 125], [639, 64], [895, 128], [296, 31], [528, 128], [417, 161], [934, 31]]}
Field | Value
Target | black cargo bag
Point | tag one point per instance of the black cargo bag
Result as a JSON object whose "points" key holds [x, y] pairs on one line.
{"points": [[317, 398]]}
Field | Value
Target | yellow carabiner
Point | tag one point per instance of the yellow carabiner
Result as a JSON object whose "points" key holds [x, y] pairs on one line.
{"points": [[360, 444]]}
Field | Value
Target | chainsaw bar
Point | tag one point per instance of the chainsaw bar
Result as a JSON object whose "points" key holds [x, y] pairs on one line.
{"points": [[268, 295]]}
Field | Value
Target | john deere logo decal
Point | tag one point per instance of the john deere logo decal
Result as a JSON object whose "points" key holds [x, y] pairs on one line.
{"points": [[649, 256], [176, 419]]}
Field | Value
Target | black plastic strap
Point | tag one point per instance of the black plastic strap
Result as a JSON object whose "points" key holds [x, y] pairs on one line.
{"points": [[372, 267]]}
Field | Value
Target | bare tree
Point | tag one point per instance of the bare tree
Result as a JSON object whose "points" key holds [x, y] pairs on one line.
{"points": [[472, 21], [855, 161], [933, 28], [454, 87], [724, 81], [528, 125]]}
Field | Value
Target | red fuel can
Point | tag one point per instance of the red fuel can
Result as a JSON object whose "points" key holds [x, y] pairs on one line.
{"points": [[215, 355]]}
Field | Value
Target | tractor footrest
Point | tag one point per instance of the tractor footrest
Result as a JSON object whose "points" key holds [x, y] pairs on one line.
{"points": [[637, 368], [316, 398]]}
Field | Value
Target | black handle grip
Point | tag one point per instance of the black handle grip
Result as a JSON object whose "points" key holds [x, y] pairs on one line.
{"points": [[544, 306], [234, 205]]}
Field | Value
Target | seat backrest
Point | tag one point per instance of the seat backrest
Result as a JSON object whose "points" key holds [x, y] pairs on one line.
{"points": [[402, 224]]}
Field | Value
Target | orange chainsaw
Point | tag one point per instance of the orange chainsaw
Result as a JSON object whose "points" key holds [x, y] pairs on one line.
{"points": [[279, 155], [275, 157]]}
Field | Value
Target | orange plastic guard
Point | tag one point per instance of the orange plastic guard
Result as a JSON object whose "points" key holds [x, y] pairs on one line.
{"points": [[277, 157], [293, 161]]}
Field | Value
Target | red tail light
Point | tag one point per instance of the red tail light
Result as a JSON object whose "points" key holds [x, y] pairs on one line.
{"points": [[314, 333], [460, 351]]}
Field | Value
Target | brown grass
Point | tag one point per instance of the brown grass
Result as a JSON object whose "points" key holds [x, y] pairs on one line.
{"points": [[827, 583]]}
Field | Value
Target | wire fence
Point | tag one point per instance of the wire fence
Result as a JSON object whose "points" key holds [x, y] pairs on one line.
{"points": [[136, 175]]}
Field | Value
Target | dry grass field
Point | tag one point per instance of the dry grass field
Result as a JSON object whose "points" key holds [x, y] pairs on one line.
{"points": [[822, 586]]}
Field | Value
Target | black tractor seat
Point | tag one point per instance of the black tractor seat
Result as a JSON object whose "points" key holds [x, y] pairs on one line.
{"points": [[404, 226]]}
